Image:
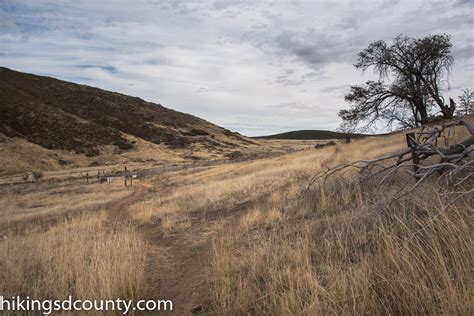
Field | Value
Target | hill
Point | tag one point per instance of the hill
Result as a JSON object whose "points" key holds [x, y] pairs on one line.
{"points": [[48, 123], [309, 135]]}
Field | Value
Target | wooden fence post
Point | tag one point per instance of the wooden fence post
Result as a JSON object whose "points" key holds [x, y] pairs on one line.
{"points": [[125, 175], [411, 143]]}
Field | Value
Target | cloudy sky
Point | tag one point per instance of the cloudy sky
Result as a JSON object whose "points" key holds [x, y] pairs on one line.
{"points": [[256, 67]]}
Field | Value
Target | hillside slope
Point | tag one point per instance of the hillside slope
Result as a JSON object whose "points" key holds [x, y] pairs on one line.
{"points": [[48, 123], [309, 135]]}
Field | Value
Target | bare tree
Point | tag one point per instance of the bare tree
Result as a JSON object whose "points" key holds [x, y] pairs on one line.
{"points": [[347, 129], [411, 75], [466, 102]]}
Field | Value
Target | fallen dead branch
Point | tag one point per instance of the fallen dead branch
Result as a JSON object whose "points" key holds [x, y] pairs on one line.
{"points": [[424, 158]]}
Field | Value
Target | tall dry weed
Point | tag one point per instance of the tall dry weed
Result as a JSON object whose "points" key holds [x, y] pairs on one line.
{"points": [[347, 249], [82, 258]]}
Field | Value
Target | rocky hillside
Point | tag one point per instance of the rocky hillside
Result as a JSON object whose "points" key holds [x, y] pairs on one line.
{"points": [[79, 125]]}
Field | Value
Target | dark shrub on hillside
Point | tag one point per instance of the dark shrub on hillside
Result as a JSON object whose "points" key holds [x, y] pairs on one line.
{"points": [[196, 132]]}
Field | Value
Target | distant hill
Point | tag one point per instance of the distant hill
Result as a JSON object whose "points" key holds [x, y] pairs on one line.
{"points": [[50, 123], [309, 135]]}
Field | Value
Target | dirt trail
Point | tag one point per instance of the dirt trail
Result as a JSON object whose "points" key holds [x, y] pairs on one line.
{"points": [[178, 266], [117, 212], [184, 260], [179, 270]]}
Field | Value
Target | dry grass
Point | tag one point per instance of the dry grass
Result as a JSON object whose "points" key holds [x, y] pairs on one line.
{"points": [[223, 186], [82, 258], [200, 193], [346, 249], [44, 206], [57, 241], [258, 218], [169, 218], [337, 249]]}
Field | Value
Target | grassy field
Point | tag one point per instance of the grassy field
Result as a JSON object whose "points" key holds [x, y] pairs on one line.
{"points": [[246, 238]]}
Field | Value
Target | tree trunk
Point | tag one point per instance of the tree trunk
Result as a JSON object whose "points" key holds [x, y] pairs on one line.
{"points": [[421, 109], [423, 115]]}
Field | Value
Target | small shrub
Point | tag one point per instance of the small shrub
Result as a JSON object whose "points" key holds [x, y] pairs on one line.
{"points": [[196, 132], [123, 144]]}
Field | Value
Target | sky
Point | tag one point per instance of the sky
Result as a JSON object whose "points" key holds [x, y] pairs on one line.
{"points": [[256, 67]]}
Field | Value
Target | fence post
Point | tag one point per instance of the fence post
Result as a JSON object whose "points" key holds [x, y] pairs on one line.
{"points": [[411, 143]]}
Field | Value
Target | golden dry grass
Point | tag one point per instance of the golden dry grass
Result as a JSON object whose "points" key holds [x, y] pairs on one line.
{"points": [[337, 249], [345, 249], [258, 218], [57, 241], [212, 190], [40, 207], [224, 186], [81, 257]]}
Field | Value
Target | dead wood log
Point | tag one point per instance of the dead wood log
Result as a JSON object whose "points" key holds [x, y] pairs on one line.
{"points": [[425, 156]]}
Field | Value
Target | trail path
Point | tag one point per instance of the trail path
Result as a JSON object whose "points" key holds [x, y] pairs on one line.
{"points": [[178, 266]]}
